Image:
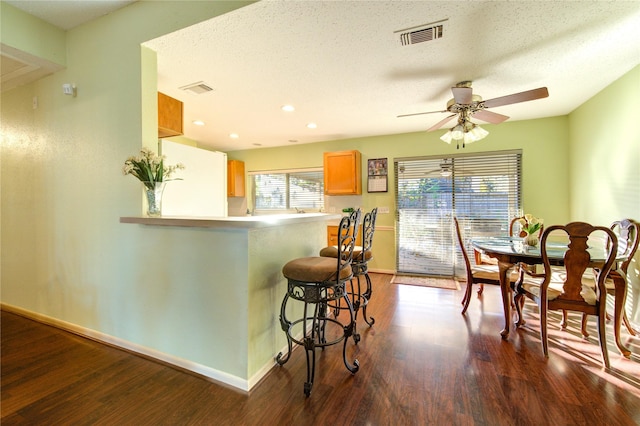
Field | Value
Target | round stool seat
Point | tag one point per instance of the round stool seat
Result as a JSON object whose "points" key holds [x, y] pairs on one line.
{"points": [[314, 270], [332, 251]]}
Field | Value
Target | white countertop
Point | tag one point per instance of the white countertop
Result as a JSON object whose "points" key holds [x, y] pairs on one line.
{"points": [[243, 222]]}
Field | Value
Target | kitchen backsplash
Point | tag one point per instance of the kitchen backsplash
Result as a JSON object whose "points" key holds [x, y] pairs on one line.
{"points": [[335, 203]]}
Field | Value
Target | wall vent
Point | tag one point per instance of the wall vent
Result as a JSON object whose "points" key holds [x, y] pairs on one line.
{"points": [[422, 33], [197, 88]]}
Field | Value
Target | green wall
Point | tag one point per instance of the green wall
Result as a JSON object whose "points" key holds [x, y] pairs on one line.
{"points": [[605, 153], [64, 253], [544, 144], [605, 164]]}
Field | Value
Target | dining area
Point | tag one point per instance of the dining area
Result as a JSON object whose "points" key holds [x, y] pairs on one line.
{"points": [[567, 269]]}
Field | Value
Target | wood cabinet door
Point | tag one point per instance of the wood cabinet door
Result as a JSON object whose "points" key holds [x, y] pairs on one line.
{"points": [[332, 236], [169, 116], [342, 173], [235, 178]]}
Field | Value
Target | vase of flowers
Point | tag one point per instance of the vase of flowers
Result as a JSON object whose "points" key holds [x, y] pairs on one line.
{"points": [[149, 168], [154, 198], [529, 227]]}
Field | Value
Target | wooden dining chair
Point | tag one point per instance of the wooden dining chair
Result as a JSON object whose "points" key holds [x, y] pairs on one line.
{"points": [[627, 232], [484, 273], [570, 290]]}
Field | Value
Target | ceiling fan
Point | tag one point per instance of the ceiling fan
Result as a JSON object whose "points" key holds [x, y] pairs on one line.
{"points": [[466, 105]]}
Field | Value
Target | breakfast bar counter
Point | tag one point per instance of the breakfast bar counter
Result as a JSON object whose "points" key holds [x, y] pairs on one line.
{"points": [[213, 288], [247, 222]]}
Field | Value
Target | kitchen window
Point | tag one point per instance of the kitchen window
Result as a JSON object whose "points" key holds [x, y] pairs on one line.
{"points": [[288, 190]]}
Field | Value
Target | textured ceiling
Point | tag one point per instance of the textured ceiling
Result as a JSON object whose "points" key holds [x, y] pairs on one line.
{"points": [[68, 14], [341, 64]]}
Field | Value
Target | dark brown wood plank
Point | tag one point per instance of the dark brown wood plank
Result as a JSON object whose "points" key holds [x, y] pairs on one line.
{"points": [[421, 363]]}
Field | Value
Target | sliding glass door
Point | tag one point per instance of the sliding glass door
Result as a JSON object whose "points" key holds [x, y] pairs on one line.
{"points": [[482, 191]]}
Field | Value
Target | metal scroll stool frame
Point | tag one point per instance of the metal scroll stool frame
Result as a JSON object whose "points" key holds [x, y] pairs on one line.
{"points": [[359, 265], [320, 298]]}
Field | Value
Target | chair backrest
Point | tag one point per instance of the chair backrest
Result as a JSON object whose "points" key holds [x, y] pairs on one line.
{"points": [[513, 228], [627, 231], [577, 259], [347, 236], [368, 228], [465, 256]]}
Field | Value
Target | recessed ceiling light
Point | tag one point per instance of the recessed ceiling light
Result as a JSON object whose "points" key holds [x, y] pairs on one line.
{"points": [[234, 136], [288, 108], [312, 125], [293, 140], [198, 122]]}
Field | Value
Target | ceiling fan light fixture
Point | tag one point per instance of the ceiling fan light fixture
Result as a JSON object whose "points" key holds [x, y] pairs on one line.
{"points": [[468, 138], [446, 137], [478, 133], [465, 131], [457, 133]]}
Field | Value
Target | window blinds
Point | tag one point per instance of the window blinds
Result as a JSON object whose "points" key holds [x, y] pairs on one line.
{"points": [[482, 191], [288, 190]]}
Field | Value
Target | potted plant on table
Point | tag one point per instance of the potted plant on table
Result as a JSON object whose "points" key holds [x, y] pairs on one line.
{"points": [[529, 227]]}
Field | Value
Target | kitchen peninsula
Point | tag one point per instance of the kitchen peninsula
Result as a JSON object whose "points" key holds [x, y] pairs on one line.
{"points": [[222, 286]]}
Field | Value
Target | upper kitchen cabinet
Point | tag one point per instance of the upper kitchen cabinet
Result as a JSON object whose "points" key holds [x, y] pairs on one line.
{"points": [[235, 178], [169, 116], [342, 173]]}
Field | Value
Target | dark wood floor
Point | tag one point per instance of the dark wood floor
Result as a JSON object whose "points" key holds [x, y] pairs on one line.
{"points": [[422, 363]]}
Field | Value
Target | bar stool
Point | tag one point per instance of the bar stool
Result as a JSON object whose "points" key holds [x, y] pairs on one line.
{"points": [[319, 283], [361, 257]]}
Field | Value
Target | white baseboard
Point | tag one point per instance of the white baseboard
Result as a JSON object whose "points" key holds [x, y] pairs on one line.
{"points": [[383, 271], [202, 370]]}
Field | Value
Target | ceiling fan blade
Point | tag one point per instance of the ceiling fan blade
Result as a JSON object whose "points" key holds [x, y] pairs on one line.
{"points": [[441, 123], [529, 95], [490, 116], [462, 95], [420, 113]]}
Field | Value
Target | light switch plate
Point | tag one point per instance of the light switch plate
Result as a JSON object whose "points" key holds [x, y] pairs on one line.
{"points": [[383, 209]]}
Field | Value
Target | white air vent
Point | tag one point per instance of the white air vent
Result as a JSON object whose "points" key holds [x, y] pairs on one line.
{"points": [[428, 32], [197, 88]]}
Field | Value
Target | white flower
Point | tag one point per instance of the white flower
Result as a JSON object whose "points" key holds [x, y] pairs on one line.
{"points": [[149, 168], [530, 224]]}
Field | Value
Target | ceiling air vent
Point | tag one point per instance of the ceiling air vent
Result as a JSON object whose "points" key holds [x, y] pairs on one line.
{"points": [[197, 88], [422, 33]]}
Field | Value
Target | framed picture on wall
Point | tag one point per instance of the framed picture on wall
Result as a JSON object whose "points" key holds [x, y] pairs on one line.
{"points": [[377, 171]]}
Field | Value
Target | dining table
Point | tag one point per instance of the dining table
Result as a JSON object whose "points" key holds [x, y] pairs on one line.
{"points": [[510, 251]]}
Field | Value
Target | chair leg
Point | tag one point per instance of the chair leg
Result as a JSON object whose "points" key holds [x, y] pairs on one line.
{"points": [[285, 324], [348, 331], [627, 324], [467, 297], [543, 329], [309, 346], [367, 295], [356, 296], [518, 301], [583, 325], [309, 341], [480, 289], [603, 340], [565, 320]]}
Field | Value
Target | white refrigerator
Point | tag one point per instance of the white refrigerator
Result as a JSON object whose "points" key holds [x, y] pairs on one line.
{"points": [[202, 190]]}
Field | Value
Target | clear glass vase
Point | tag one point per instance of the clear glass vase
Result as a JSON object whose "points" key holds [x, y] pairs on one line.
{"points": [[531, 240], [154, 191]]}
